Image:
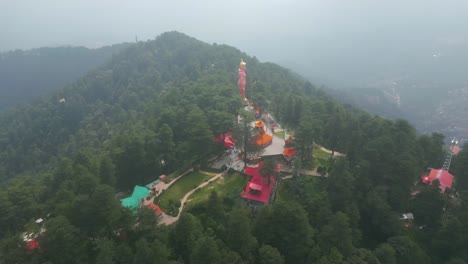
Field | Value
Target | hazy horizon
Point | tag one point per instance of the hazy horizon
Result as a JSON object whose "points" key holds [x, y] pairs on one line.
{"points": [[336, 43]]}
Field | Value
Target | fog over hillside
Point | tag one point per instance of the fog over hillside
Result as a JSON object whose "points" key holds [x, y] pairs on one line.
{"points": [[332, 41], [212, 132], [27, 75], [420, 47]]}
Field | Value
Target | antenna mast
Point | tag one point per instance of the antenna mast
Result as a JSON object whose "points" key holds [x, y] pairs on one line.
{"points": [[448, 158]]}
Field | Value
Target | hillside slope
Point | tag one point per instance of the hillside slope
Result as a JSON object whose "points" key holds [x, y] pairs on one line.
{"points": [[156, 108], [148, 75], [443, 113]]}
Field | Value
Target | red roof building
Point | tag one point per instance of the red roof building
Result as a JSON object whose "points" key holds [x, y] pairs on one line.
{"points": [[32, 244], [258, 188], [289, 152], [253, 170], [455, 150], [229, 142], [444, 177], [155, 208], [263, 139], [259, 124]]}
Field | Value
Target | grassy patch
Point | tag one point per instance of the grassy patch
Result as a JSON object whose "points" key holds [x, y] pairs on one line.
{"points": [[225, 185], [280, 134], [319, 162], [283, 193], [321, 158], [180, 188], [318, 153]]}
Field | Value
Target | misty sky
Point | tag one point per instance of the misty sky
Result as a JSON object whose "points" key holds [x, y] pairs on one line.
{"points": [[330, 41]]}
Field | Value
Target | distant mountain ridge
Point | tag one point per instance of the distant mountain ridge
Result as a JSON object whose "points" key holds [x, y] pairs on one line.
{"points": [[435, 110], [27, 74]]}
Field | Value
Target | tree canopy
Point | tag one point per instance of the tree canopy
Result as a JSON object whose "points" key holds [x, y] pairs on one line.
{"points": [[156, 108]]}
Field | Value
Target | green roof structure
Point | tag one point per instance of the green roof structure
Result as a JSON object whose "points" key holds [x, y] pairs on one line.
{"points": [[151, 183], [132, 202]]}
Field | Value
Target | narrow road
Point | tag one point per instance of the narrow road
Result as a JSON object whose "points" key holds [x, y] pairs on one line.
{"points": [[167, 219]]}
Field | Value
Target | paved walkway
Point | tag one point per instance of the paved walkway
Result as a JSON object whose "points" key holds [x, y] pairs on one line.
{"points": [[275, 148], [230, 158], [167, 219]]}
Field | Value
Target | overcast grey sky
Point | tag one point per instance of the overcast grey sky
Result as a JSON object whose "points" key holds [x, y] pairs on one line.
{"points": [[317, 38]]}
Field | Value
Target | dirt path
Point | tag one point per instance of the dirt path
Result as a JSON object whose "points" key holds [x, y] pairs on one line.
{"points": [[305, 172], [338, 154], [209, 173], [167, 219]]}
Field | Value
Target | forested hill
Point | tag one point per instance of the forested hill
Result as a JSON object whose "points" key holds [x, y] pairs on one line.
{"points": [[64, 157], [25, 75], [164, 81]]}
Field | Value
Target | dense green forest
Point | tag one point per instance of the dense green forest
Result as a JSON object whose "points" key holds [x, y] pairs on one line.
{"points": [[25, 75], [166, 100]]}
